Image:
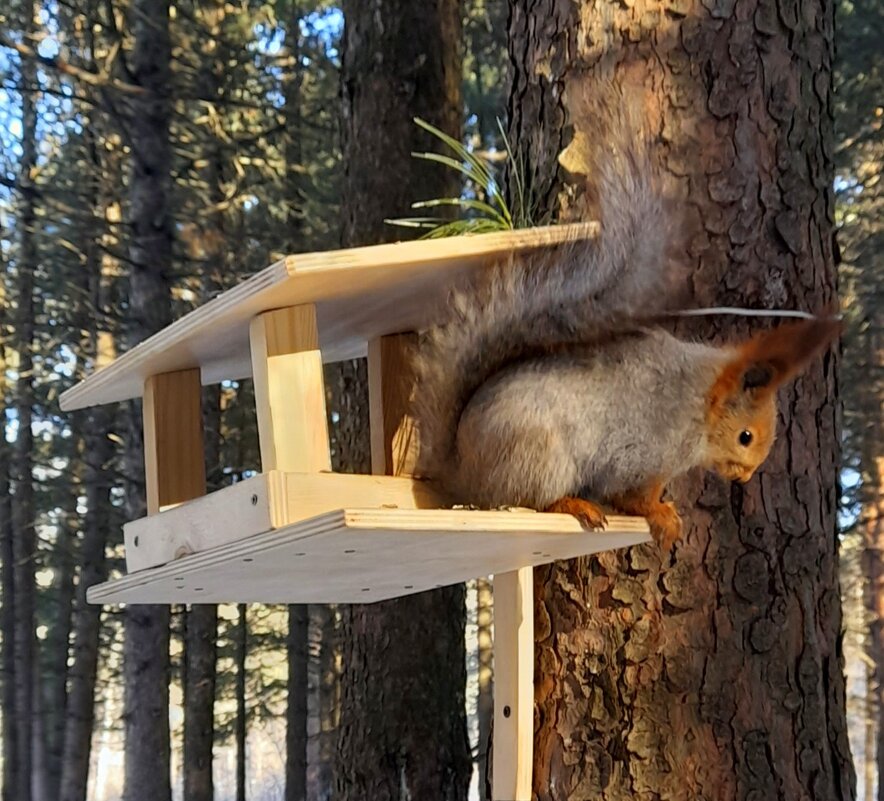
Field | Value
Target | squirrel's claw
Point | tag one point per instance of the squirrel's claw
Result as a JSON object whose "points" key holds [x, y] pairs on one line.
{"points": [[588, 514], [666, 526]]}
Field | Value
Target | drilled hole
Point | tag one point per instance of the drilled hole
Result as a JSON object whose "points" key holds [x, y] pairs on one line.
{"points": [[300, 553], [197, 589], [507, 711], [366, 589], [254, 500], [408, 587], [136, 540], [350, 551], [248, 559]]}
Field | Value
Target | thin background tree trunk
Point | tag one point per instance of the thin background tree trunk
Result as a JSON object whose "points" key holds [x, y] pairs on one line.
{"points": [[146, 649], [403, 728], [23, 507], [7, 579], [242, 633]]}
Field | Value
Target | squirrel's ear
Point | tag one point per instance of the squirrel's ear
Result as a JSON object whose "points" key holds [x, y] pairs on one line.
{"points": [[773, 357]]}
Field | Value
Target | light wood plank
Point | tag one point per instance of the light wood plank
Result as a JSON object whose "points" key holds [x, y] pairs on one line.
{"points": [[393, 434], [513, 742], [289, 391], [260, 504], [361, 294], [173, 439], [366, 555]]}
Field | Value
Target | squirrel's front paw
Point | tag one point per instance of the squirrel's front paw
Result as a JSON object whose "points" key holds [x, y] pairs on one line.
{"points": [[666, 525], [589, 514]]}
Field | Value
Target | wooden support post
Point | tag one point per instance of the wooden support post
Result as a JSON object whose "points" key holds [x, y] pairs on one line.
{"points": [[513, 746], [174, 462], [289, 391], [393, 435]]}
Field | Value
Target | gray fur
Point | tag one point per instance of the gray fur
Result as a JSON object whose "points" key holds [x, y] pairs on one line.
{"points": [[580, 423], [501, 424]]}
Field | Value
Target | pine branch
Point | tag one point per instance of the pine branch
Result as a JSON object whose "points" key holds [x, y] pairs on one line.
{"points": [[100, 80]]}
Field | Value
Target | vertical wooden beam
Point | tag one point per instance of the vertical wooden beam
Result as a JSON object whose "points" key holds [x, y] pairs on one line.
{"points": [[513, 739], [393, 435], [289, 391], [174, 464]]}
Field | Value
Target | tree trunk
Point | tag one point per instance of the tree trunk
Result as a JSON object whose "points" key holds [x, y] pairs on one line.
{"points": [[201, 621], [99, 467], [485, 701], [7, 581], [146, 649], [403, 727], [298, 614], [53, 685], [80, 713], [322, 779], [23, 508], [242, 634], [705, 678], [296, 710]]}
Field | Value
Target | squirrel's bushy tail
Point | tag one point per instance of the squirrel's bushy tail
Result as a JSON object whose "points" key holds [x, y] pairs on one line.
{"points": [[568, 293]]}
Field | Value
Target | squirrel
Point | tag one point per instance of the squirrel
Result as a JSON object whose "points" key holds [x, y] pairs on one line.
{"points": [[551, 384]]}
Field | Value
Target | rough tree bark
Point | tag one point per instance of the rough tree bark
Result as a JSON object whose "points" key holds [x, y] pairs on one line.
{"points": [[717, 676], [402, 728], [146, 649]]}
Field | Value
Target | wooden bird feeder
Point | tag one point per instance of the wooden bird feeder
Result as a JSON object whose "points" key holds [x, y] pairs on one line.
{"points": [[299, 533]]}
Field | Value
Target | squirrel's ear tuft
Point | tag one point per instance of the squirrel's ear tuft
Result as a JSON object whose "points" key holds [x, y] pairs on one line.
{"points": [[774, 357], [757, 376]]}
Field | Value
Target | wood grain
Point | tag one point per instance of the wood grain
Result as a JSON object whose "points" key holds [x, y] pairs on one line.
{"points": [[258, 505], [173, 439], [366, 555], [394, 444], [360, 294], [513, 742], [289, 391]]}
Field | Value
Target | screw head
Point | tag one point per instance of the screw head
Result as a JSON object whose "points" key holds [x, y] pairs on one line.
{"points": [[507, 711]]}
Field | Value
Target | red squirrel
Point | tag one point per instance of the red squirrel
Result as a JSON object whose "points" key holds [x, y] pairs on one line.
{"points": [[548, 385]]}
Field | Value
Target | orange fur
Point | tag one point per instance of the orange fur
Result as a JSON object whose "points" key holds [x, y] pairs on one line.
{"points": [[662, 516], [590, 514], [743, 396]]}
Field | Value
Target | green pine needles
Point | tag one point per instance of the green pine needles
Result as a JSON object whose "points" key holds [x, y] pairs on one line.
{"points": [[488, 210]]}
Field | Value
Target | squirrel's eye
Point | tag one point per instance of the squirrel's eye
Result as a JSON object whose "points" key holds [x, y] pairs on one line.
{"points": [[745, 438]]}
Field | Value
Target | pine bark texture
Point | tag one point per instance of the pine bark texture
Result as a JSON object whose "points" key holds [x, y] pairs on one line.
{"points": [[146, 649], [718, 676], [402, 728]]}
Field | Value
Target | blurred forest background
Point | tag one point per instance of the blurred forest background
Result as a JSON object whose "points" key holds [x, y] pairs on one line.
{"points": [[152, 156]]}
